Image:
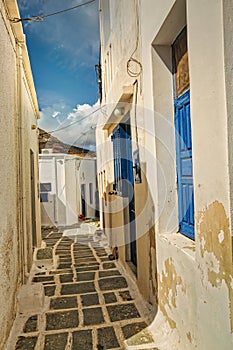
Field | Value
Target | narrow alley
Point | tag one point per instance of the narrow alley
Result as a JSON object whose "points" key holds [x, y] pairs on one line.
{"points": [[88, 304], [116, 175]]}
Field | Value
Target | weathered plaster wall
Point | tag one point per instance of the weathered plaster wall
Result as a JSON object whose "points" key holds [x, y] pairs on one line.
{"points": [[9, 238], [195, 278], [18, 111]]}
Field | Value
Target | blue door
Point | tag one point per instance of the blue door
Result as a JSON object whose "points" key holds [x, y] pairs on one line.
{"points": [[123, 175], [184, 165]]}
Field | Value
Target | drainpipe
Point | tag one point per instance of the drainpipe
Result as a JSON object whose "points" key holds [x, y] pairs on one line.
{"points": [[23, 238]]}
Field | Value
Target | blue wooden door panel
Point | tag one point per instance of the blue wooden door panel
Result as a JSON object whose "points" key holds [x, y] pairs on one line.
{"points": [[184, 165], [123, 174]]}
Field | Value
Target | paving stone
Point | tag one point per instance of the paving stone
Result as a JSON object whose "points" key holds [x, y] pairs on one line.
{"points": [[104, 259], [65, 260], [78, 288], [122, 312], [107, 338], [31, 324], [26, 343], [90, 299], [125, 295], [107, 266], [42, 279], [93, 316], [85, 261], [48, 283], [44, 253], [61, 271], [112, 283], [55, 236], [109, 273], [88, 268], [49, 290], [82, 340], [87, 264], [110, 298], [100, 254], [66, 278], [64, 253], [99, 250], [63, 303], [60, 320], [87, 276], [56, 341], [83, 252], [131, 329], [63, 266]]}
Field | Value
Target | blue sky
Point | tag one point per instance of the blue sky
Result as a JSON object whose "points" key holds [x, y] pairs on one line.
{"points": [[63, 50]]}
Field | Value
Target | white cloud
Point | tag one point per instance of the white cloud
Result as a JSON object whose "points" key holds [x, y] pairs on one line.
{"points": [[56, 114], [75, 127]]}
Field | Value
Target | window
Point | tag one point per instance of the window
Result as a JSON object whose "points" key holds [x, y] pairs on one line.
{"points": [[44, 197], [45, 187], [123, 165]]}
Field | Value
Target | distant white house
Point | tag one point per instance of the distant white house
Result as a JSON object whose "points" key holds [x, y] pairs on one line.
{"points": [[67, 188]]}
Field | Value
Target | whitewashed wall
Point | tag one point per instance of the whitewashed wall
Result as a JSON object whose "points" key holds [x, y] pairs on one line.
{"points": [[18, 112], [194, 277]]}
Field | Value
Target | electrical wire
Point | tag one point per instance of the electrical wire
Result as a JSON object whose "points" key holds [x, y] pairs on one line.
{"points": [[40, 18], [132, 73], [67, 126]]}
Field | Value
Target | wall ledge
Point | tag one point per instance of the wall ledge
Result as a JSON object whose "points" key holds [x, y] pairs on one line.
{"points": [[180, 242]]}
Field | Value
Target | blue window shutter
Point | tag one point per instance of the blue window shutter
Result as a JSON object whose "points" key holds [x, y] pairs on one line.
{"points": [[122, 153]]}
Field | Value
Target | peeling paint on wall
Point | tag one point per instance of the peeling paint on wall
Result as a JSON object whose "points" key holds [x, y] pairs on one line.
{"points": [[216, 247], [168, 290]]}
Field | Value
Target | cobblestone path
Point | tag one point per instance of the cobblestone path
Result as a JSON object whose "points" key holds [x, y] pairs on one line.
{"points": [[90, 304]]}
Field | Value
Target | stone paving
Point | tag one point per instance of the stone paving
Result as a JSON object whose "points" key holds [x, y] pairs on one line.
{"points": [[91, 306]]}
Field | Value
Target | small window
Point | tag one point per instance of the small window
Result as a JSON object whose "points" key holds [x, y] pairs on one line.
{"points": [[45, 187], [44, 197], [180, 63], [91, 192]]}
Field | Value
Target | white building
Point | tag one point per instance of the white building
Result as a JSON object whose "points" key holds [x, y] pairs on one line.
{"points": [[167, 71], [67, 188], [20, 207]]}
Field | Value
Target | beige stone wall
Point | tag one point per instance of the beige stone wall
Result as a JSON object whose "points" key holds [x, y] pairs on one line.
{"points": [[18, 111]]}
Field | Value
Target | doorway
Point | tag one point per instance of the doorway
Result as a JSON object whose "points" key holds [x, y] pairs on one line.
{"points": [[124, 185], [183, 135]]}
